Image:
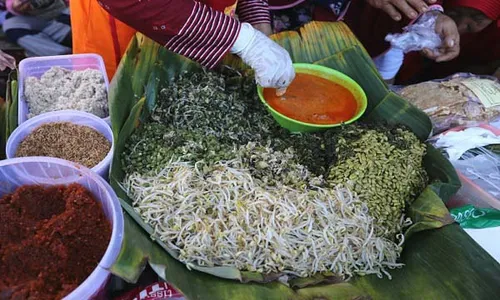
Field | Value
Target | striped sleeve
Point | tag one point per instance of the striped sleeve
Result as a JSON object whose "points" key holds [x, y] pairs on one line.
{"points": [[253, 11], [186, 27]]}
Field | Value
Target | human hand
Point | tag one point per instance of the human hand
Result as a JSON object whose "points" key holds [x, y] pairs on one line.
{"points": [[395, 8], [272, 64], [265, 28], [448, 31], [21, 6], [6, 61]]}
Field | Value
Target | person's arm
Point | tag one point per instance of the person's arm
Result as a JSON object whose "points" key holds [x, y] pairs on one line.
{"points": [[186, 27], [202, 34], [255, 12]]}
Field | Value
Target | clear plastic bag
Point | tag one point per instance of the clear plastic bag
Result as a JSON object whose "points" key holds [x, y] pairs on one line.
{"points": [[449, 103], [417, 36], [474, 152], [483, 168]]}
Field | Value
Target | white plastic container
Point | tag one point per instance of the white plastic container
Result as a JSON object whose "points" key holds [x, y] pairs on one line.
{"points": [[37, 66], [73, 116], [53, 171]]}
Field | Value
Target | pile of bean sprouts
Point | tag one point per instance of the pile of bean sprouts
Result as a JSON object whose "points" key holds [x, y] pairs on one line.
{"points": [[224, 217]]}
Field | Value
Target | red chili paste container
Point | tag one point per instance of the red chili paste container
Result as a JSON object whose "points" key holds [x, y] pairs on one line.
{"points": [[44, 171]]}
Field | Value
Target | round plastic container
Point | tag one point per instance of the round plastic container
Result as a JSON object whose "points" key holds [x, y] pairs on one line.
{"points": [[73, 116], [53, 171], [328, 74]]}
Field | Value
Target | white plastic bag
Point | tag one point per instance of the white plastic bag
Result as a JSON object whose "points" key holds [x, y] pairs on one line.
{"points": [[417, 36]]}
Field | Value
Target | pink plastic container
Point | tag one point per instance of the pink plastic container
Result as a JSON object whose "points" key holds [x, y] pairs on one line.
{"points": [[37, 66], [471, 193], [53, 171]]}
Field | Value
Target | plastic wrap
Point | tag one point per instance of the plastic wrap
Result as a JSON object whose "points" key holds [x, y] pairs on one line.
{"points": [[417, 36], [483, 168], [450, 103], [474, 152]]}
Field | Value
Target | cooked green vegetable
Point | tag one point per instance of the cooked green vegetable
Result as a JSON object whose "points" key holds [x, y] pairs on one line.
{"points": [[384, 167], [152, 146], [204, 103]]}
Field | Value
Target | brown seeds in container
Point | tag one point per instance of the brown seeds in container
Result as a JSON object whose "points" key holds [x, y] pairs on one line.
{"points": [[76, 143]]}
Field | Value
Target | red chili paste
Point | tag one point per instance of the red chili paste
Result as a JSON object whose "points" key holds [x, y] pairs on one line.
{"points": [[51, 239]]}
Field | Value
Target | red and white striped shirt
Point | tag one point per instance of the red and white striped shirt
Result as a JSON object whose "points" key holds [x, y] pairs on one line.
{"points": [[190, 28]]}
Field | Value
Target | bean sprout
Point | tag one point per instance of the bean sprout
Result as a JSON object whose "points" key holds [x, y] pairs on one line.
{"points": [[223, 217]]}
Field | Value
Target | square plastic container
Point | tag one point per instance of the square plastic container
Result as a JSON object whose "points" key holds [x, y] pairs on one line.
{"points": [[37, 66]]}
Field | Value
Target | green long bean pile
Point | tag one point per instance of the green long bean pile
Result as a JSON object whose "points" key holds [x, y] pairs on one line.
{"points": [[223, 185]]}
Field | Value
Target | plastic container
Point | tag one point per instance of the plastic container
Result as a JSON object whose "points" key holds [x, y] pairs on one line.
{"points": [[37, 66], [53, 171], [471, 193], [73, 116], [331, 75]]}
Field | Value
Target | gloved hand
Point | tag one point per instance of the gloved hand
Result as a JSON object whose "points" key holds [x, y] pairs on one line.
{"points": [[6, 61], [272, 64]]}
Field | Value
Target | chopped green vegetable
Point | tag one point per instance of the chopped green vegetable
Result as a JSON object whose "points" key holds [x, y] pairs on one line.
{"points": [[384, 167]]}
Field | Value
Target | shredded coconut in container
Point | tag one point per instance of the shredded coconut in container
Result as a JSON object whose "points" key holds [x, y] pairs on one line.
{"points": [[60, 89]]}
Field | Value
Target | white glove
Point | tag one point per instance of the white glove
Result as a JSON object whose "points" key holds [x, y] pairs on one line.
{"points": [[272, 64]]}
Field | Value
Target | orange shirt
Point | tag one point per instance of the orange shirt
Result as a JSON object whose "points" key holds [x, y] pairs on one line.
{"points": [[95, 31]]}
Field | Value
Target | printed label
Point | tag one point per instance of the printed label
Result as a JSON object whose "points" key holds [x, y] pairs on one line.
{"points": [[487, 91]]}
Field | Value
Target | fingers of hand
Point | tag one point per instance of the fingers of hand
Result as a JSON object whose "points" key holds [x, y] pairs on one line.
{"points": [[287, 76], [392, 12], [419, 5], [406, 8], [448, 31], [448, 54], [275, 73], [430, 54]]}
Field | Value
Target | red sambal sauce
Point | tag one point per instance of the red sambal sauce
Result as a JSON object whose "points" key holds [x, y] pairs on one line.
{"points": [[315, 100], [51, 239]]}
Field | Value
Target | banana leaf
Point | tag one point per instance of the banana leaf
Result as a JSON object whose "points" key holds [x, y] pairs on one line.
{"points": [[439, 256], [3, 127], [8, 111]]}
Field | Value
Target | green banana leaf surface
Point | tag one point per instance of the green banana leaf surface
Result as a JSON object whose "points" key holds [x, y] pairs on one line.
{"points": [[441, 261], [8, 111]]}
